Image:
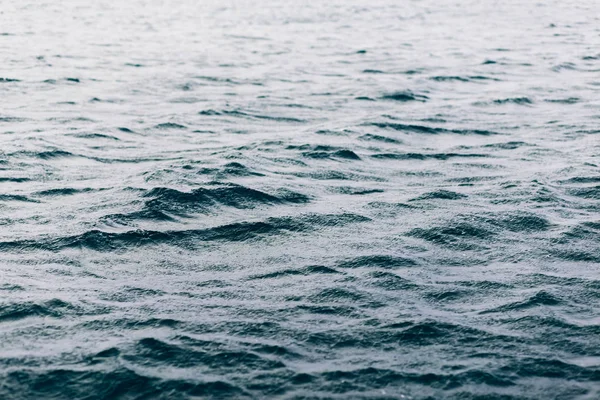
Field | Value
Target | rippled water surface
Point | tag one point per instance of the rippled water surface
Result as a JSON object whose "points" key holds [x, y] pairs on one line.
{"points": [[299, 200]]}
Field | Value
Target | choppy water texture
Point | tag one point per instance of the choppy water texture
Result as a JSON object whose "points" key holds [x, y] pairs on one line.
{"points": [[285, 199]]}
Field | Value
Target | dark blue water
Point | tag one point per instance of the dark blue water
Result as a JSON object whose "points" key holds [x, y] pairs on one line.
{"points": [[300, 200]]}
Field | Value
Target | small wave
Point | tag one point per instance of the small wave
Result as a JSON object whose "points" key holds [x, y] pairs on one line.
{"points": [[469, 180], [229, 81], [448, 295], [236, 232], [405, 96], [355, 191], [336, 294], [321, 269], [237, 113], [134, 324], [551, 368], [210, 112], [522, 101], [124, 383], [316, 148], [538, 279], [430, 129], [545, 322], [154, 351], [456, 235], [484, 78], [449, 79], [568, 100], [311, 269], [512, 145], [265, 117], [17, 197], [11, 119], [94, 136], [170, 125], [382, 379], [485, 285], [201, 200], [586, 192], [568, 66], [415, 71], [390, 281], [128, 294], [325, 175], [378, 138], [378, 261], [11, 288], [345, 154], [575, 255], [431, 332], [44, 155], [582, 179], [421, 156], [278, 274], [542, 298], [16, 180], [330, 310], [516, 222], [236, 169], [468, 229], [51, 308], [440, 195], [329, 132], [47, 155]]}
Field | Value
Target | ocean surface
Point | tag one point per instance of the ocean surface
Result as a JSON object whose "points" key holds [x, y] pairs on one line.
{"points": [[299, 200]]}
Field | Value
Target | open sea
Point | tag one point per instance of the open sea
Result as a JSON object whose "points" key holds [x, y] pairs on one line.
{"points": [[291, 199]]}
